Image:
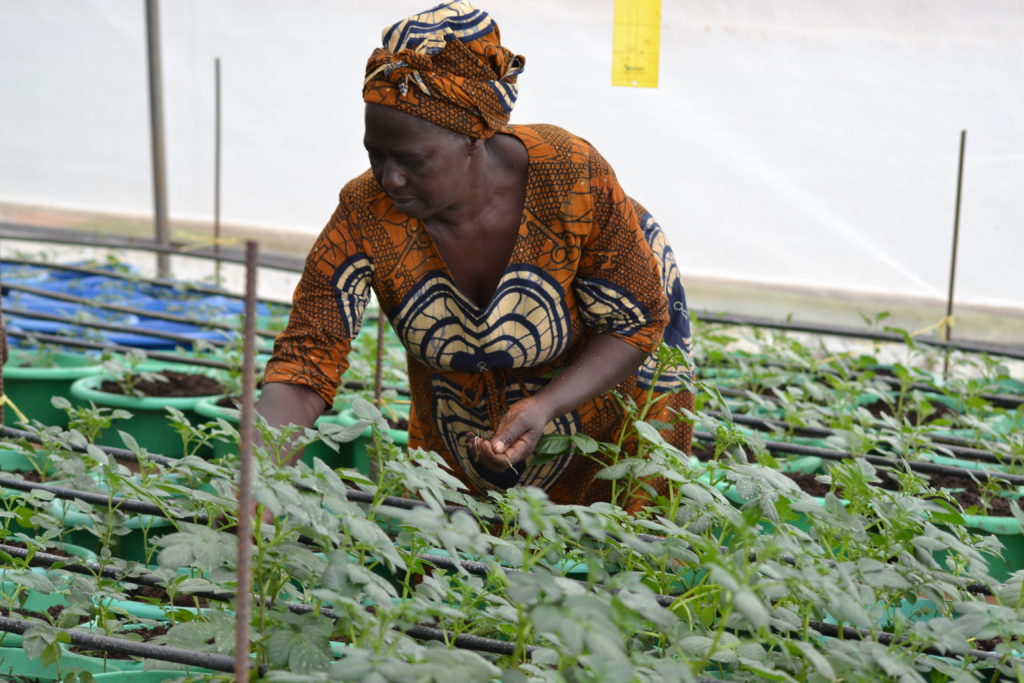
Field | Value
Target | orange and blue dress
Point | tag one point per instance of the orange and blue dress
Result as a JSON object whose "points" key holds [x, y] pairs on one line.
{"points": [[587, 260]]}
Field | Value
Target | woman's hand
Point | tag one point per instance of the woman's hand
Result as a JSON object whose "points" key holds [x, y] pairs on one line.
{"points": [[516, 436], [606, 361]]}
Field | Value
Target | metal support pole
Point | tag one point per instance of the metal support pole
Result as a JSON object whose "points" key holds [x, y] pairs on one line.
{"points": [[946, 328], [216, 173], [245, 469], [156, 130], [3, 360]]}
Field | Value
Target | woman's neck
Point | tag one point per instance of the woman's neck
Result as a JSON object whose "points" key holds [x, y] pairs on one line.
{"points": [[501, 172]]}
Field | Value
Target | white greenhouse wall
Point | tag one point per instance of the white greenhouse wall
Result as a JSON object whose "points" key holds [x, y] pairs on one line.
{"points": [[802, 142]]}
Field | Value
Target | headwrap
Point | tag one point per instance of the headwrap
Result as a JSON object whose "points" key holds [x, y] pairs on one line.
{"points": [[446, 66]]}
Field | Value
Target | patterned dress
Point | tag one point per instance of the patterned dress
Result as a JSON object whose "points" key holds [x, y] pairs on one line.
{"points": [[587, 260]]}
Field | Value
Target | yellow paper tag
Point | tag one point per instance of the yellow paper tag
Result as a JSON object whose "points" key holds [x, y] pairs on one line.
{"points": [[636, 43]]}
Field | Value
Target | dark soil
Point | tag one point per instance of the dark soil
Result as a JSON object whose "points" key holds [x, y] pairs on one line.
{"points": [[51, 615], [989, 644], [155, 594], [53, 550], [178, 384], [879, 408], [31, 475], [809, 484], [703, 451]]}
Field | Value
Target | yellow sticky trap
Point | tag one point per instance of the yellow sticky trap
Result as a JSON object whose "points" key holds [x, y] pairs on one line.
{"points": [[636, 43]]}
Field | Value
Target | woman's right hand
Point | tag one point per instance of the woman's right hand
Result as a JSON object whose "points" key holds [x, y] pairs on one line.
{"points": [[516, 436]]}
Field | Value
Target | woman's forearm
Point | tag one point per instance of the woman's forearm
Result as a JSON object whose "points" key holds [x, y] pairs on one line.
{"points": [[283, 404], [603, 364]]}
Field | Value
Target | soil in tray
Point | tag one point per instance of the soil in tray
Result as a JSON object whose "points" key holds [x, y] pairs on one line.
{"points": [[178, 384], [941, 410], [53, 550], [51, 615], [157, 595]]}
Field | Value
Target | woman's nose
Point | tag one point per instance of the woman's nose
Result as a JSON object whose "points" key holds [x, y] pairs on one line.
{"points": [[391, 177]]}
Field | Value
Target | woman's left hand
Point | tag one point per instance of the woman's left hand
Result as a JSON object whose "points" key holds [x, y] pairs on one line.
{"points": [[516, 436]]}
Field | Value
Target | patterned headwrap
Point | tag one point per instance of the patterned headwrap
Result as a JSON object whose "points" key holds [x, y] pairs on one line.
{"points": [[446, 66]]}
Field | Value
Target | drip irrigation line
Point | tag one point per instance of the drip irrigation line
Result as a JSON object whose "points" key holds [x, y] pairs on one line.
{"points": [[765, 424], [141, 507], [132, 648], [295, 264], [887, 638], [708, 317], [462, 641], [86, 568], [131, 310], [135, 278], [128, 504], [35, 233], [40, 559], [1003, 400], [118, 453], [924, 467], [363, 497], [183, 339], [58, 340]]}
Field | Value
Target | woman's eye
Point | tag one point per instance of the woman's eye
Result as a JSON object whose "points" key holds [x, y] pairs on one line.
{"points": [[411, 162]]}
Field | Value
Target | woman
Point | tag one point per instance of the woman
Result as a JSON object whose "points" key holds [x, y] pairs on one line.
{"points": [[523, 282]]}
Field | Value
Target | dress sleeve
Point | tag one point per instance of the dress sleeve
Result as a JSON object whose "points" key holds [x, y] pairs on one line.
{"points": [[619, 284], [327, 310]]}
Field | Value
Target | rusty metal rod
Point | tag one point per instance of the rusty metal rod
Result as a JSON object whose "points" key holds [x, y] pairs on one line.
{"points": [[243, 604], [948, 326]]}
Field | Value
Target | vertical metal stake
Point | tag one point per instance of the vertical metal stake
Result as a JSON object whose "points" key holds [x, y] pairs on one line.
{"points": [[216, 172], [243, 598], [946, 328], [156, 135], [3, 358]]}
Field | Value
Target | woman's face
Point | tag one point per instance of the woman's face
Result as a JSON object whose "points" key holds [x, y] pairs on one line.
{"points": [[423, 168]]}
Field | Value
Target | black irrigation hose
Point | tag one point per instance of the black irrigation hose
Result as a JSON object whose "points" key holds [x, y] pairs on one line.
{"points": [[35, 233], [707, 317], [365, 497], [141, 312], [468, 642], [183, 339], [131, 277], [887, 638], [295, 264], [132, 648], [925, 467], [118, 453], [58, 340], [136, 506], [765, 424], [1002, 400]]}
